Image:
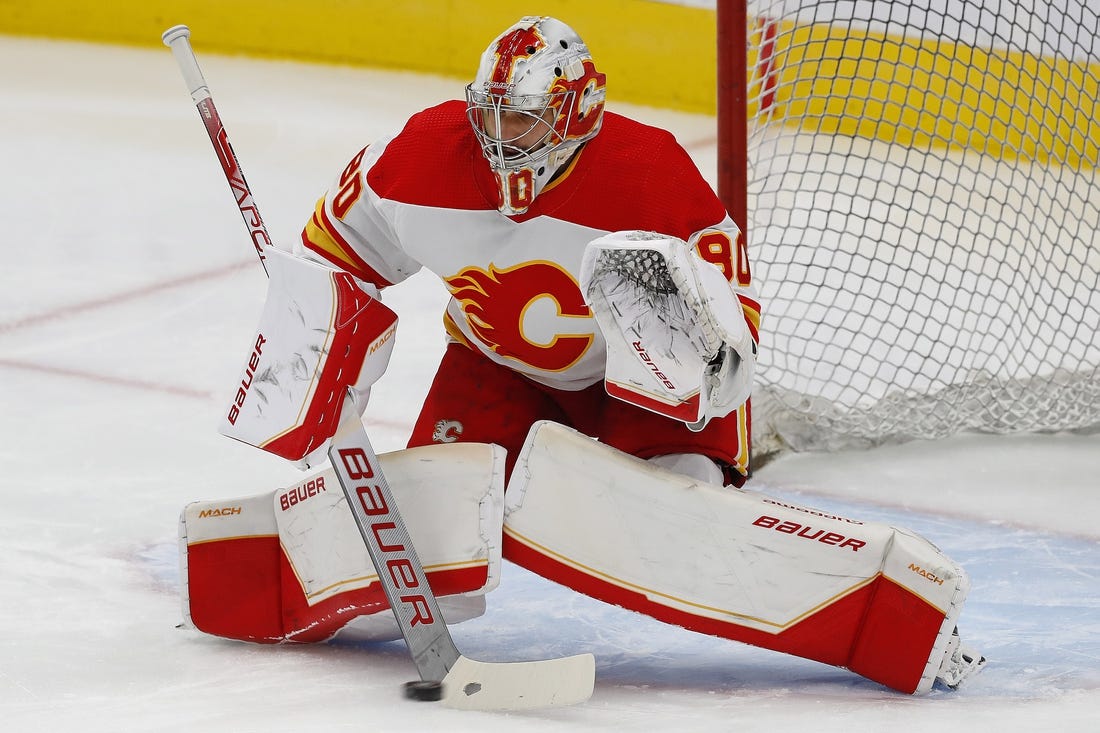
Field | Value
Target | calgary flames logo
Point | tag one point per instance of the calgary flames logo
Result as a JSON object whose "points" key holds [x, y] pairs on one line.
{"points": [[446, 431], [497, 305], [584, 105]]}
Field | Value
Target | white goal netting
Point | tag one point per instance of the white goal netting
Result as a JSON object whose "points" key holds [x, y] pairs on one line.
{"points": [[924, 218]]}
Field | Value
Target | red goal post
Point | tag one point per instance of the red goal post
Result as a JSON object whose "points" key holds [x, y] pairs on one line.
{"points": [[732, 116], [920, 192]]}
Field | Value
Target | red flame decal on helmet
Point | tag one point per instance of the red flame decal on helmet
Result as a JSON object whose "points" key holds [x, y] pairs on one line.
{"points": [[495, 303], [520, 43]]}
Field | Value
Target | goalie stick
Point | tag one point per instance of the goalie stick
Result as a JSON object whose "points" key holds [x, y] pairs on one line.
{"points": [[466, 683]]}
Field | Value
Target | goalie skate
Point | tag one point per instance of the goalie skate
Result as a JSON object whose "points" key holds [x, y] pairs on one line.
{"points": [[960, 662]]}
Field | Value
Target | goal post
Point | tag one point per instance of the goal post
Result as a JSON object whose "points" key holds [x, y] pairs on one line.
{"points": [[732, 177], [922, 207]]}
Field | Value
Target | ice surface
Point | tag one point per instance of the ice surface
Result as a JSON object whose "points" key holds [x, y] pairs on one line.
{"points": [[128, 295]]}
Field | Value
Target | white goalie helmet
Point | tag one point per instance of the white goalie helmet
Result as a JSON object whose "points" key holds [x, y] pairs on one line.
{"points": [[536, 98]]}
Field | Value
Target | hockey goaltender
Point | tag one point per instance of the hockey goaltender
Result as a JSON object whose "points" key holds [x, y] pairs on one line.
{"points": [[602, 335]]}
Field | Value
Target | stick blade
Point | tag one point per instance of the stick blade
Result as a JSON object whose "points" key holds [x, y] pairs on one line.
{"points": [[474, 685]]}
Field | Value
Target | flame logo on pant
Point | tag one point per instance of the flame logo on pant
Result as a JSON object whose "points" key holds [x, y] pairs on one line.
{"points": [[496, 303], [446, 431]]}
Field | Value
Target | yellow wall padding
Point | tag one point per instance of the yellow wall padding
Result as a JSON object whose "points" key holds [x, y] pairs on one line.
{"points": [[653, 53]]}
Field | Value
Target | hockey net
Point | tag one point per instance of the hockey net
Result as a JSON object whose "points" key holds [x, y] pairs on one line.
{"points": [[923, 216]]}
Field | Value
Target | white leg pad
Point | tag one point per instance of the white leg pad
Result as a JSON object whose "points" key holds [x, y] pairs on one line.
{"points": [[290, 565], [862, 595]]}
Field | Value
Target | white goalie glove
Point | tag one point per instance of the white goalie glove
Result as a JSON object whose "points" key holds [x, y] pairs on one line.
{"points": [[677, 340], [321, 332]]}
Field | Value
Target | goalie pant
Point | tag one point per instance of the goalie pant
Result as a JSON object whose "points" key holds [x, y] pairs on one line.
{"points": [[877, 600]]}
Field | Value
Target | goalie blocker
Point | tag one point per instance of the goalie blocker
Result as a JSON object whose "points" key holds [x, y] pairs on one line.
{"points": [[875, 599], [321, 332]]}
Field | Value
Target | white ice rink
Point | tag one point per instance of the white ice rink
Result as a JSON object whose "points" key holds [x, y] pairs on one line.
{"points": [[128, 295]]}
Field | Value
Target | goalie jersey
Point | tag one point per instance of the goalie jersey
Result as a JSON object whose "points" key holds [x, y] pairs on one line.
{"points": [[426, 198]]}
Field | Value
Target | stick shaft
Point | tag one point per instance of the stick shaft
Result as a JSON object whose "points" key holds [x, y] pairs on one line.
{"points": [[178, 38], [400, 570], [369, 496]]}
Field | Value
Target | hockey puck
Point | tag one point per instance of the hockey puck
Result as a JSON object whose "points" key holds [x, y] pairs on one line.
{"points": [[424, 690]]}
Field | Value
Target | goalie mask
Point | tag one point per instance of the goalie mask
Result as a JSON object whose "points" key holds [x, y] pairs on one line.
{"points": [[536, 98]]}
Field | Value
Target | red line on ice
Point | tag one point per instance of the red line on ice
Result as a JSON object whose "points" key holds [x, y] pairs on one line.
{"points": [[110, 300]]}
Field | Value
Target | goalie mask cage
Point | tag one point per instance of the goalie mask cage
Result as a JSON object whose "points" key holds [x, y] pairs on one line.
{"points": [[921, 209]]}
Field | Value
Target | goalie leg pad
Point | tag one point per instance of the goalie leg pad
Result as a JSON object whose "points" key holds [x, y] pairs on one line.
{"points": [[290, 565], [861, 595]]}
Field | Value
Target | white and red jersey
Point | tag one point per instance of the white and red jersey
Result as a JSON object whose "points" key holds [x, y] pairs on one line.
{"points": [[426, 198]]}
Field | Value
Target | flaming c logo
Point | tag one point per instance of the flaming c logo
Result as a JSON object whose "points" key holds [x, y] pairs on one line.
{"points": [[495, 303], [580, 118]]}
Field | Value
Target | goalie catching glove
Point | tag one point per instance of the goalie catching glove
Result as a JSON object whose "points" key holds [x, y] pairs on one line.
{"points": [[677, 340]]}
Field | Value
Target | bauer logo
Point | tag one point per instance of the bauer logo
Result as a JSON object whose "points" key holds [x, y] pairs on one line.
{"points": [[246, 381], [385, 535], [807, 532], [301, 492], [648, 361]]}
